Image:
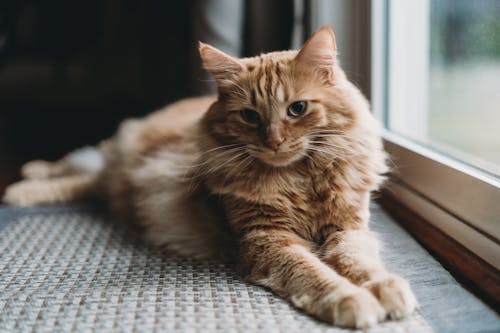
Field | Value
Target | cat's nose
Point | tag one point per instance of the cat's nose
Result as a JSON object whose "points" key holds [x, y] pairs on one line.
{"points": [[274, 143]]}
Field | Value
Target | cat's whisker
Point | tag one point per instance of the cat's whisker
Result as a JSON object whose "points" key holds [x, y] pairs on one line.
{"points": [[221, 155], [328, 143], [211, 158], [330, 135], [216, 167], [239, 168], [336, 136], [243, 164], [200, 171], [326, 131], [342, 140], [250, 161], [341, 153], [220, 166], [347, 151], [310, 157], [203, 162], [326, 152], [220, 147]]}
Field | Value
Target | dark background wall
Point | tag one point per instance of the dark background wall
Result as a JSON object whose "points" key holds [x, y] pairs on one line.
{"points": [[71, 70]]}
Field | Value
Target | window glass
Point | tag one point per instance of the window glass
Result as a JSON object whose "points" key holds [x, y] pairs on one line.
{"points": [[444, 64]]}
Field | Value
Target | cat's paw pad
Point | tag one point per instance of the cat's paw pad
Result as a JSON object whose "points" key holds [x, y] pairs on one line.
{"points": [[357, 309], [394, 294], [37, 169]]}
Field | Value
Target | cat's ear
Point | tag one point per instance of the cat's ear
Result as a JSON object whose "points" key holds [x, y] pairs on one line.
{"points": [[220, 65], [320, 51]]}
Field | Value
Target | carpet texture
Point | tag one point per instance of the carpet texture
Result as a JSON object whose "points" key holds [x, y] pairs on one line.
{"points": [[69, 269]]}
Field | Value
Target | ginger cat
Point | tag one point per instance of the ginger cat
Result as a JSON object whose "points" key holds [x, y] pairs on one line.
{"points": [[275, 173]]}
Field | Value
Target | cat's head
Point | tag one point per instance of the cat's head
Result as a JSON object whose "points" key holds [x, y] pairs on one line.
{"points": [[278, 106]]}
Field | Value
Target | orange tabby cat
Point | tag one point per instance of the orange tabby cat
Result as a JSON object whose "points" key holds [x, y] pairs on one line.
{"points": [[275, 172]]}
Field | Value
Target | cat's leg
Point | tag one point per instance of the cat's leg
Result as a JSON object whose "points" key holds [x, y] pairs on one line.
{"points": [[83, 160], [284, 262], [355, 255], [40, 169], [53, 190]]}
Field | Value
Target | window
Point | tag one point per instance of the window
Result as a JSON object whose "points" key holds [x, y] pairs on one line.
{"points": [[436, 86], [444, 77]]}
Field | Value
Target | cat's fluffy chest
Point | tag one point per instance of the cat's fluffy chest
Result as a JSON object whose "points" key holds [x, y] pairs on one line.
{"points": [[307, 201]]}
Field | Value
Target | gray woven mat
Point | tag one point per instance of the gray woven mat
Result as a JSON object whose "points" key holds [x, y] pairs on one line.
{"points": [[72, 270]]}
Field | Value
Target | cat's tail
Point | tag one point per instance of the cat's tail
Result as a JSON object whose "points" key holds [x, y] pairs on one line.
{"points": [[74, 177]]}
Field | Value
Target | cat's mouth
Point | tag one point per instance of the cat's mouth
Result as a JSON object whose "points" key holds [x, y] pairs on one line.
{"points": [[279, 158]]}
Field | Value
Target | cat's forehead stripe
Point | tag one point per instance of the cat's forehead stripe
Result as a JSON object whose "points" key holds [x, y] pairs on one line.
{"points": [[253, 98], [279, 94], [270, 84], [261, 87], [268, 70], [280, 89]]}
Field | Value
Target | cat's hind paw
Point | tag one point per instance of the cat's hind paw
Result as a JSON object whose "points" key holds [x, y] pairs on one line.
{"points": [[20, 194], [37, 169], [394, 294]]}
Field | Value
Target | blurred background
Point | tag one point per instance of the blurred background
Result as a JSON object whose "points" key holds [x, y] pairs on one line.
{"points": [[464, 80]]}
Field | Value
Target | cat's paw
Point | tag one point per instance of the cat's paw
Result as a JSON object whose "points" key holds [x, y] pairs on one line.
{"points": [[357, 308], [23, 193], [394, 294], [37, 169]]}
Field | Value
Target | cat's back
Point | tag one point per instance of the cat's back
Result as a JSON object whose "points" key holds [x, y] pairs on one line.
{"points": [[137, 154], [181, 114], [169, 125]]}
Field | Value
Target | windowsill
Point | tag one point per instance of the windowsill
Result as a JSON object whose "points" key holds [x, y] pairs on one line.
{"points": [[450, 208], [470, 270], [451, 196]]}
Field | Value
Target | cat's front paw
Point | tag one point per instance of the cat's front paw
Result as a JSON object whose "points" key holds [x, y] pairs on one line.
{"points": [[394, 294], [357, 308]]}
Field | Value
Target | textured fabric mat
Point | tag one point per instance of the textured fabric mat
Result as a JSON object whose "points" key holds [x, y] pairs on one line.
{"points": [[65, 269]]}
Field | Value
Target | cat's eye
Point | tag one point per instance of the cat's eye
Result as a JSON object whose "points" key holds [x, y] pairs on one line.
{"points": [[297, 109], [250, 116]]}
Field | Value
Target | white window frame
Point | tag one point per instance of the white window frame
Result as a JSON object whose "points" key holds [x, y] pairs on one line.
{"points": [[460, 200], [457, 198]]}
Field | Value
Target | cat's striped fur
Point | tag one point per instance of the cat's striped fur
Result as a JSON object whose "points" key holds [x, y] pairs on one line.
{"points": [[284, 196]]}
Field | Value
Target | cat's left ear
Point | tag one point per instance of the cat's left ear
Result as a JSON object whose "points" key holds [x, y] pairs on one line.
{"points": [[219, 64], [319, 52]]}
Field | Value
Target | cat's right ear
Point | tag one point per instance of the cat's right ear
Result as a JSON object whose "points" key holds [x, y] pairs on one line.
{"points": [[220, 65], [320, 52]]}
